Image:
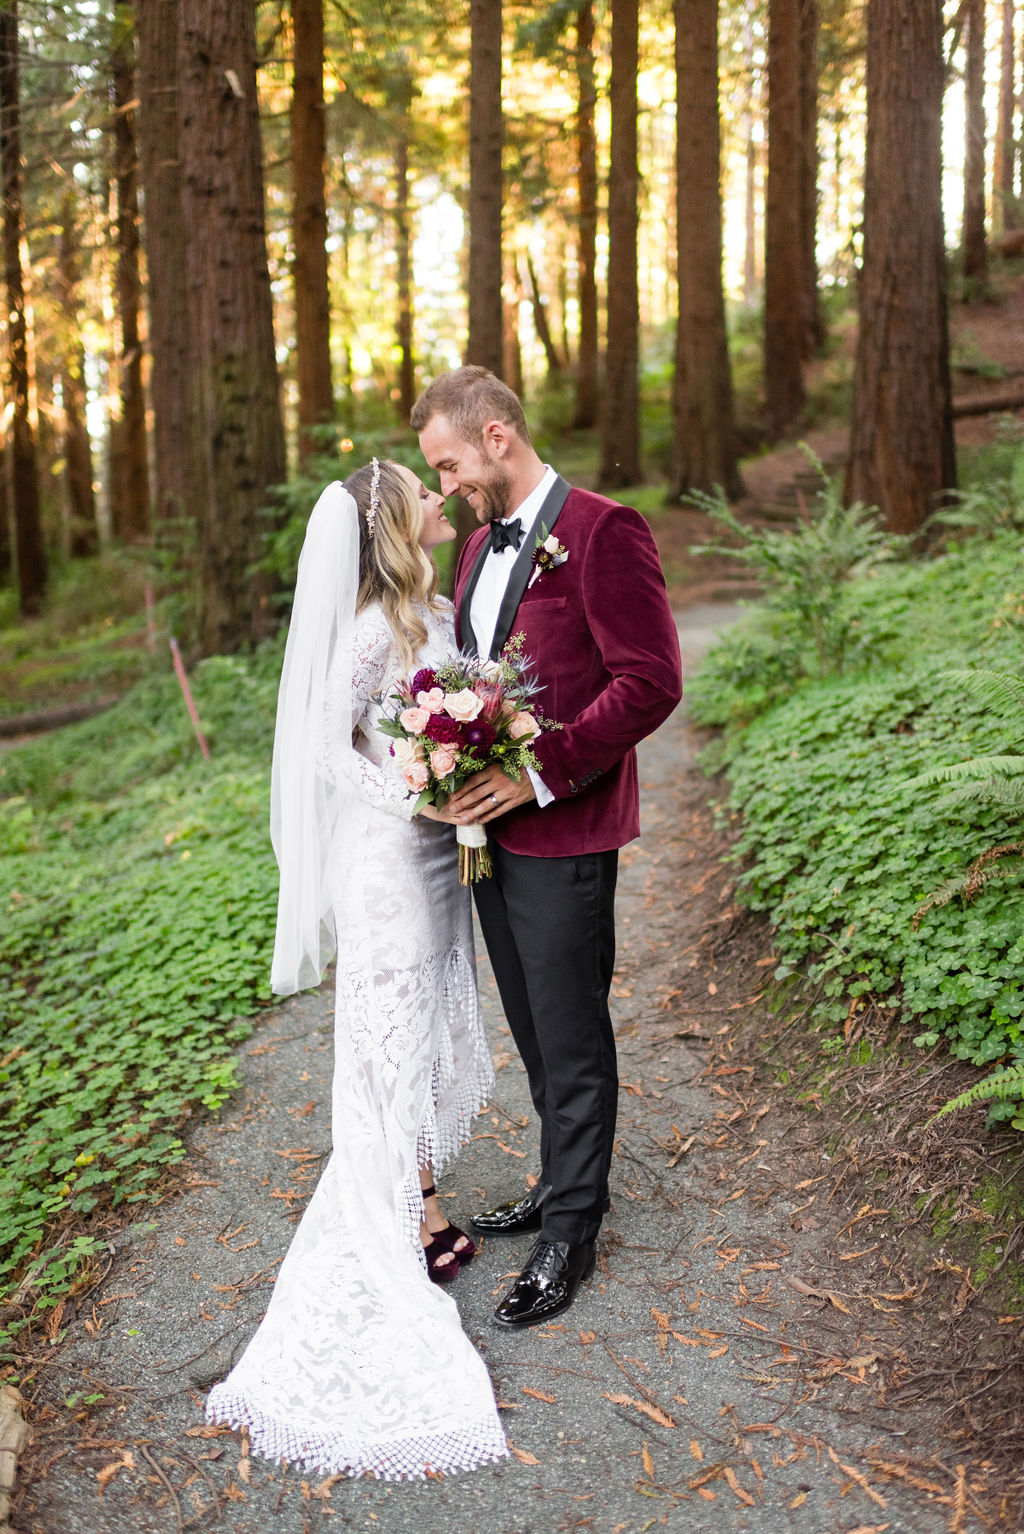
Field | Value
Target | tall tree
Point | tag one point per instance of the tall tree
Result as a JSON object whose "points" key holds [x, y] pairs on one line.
{"points": [[703, 448], [232, 366], [486, 133], [403, 250], [620, 413], [309, 224], [24, 473], [1005, 148], [587, 361], [175, 431], [813, 334], [901, 440], [80, 498], [785, 254], [974, 254], [129, 456]]}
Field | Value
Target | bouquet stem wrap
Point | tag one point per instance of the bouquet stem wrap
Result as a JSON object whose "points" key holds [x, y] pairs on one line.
{"points": [[474, 859]]}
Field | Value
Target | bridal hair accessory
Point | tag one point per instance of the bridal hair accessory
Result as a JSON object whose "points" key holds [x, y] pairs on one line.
{"points": [[374, 505]]}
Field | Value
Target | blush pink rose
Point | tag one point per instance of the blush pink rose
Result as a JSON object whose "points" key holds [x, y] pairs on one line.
{"points": [[463, 706], [416, 775], [414, 720], [521, 725], [432, 701], [442, 761]]}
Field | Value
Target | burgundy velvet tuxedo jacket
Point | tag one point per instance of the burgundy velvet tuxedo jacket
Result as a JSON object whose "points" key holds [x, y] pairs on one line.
{"points": [[600, 635]]}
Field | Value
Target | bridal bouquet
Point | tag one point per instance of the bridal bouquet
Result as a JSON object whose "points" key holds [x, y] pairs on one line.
{"points": [[450, 722]]}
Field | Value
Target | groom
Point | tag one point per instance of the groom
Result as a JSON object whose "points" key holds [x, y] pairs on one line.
{"points": [[599, 633]]}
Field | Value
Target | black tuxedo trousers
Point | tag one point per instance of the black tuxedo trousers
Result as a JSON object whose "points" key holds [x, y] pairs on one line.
{"points": [[549, 926]]}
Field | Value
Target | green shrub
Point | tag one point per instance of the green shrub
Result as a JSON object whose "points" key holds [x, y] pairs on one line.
{"points": [[139, 897]]}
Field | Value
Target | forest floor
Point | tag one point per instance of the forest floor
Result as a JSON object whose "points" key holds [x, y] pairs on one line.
{"points": [[765, 1346]]}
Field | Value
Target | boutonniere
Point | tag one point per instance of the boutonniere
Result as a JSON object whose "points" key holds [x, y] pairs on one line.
{"points": [[548, 554]]}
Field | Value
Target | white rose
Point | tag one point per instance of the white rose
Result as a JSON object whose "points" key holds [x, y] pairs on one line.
{"points": [[551, 543], [406, 751], [463, 706]]}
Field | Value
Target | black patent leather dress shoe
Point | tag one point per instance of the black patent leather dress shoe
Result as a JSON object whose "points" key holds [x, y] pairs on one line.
{"points": [[510, 1219], [548, 1283]]}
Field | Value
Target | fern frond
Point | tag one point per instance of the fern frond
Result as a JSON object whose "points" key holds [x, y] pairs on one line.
{"points": [[975, 769], [971, 883], [1003, 691], [1004, 1083], [1001, 793]]}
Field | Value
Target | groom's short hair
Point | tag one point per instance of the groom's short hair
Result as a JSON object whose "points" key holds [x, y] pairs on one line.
{"points": [[468, 398]]}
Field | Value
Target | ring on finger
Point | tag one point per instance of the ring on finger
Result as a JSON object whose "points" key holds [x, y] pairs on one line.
{"points": [[494, 799]]}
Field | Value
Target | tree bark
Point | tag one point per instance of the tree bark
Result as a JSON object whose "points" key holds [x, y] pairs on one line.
{"points": [[403, 253], [129, 489], [80, 497], [540, 321], [814, 330], [750, 115], [975, 257], [486, 133], [901, 447], [620, 414], [703, 448], [587, 361], [309, 225], [175, 433], [1005, 148], [233, 373], [24, 473], [785, 256]]}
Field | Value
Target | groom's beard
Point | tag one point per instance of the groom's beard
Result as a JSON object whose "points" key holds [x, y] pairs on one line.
{"points": [[495, 493]]}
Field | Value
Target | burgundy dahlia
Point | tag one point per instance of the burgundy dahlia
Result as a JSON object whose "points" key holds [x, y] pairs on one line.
{"points": [[480, 734], [423, 681], [443, 730]]}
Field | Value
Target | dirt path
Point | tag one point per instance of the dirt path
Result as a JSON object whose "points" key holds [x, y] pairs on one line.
{"points": [[708, 1379]]}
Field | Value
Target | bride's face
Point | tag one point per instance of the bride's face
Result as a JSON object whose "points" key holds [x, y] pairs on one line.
{"points": [[435, 528]]}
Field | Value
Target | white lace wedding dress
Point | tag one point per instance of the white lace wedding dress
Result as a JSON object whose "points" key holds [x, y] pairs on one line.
{"points": [[361, 1363]]}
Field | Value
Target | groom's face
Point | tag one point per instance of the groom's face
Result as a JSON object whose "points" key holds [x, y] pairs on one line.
{"points": [[475, 472]]}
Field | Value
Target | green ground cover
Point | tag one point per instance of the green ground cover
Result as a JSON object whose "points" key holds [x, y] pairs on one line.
{"points": [[839, 843], [138, 891]]}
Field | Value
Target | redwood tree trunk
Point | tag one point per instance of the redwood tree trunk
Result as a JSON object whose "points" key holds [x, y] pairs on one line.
{"points": [[901, 447], [79, 494], [486, 132], [1004, 150], [586, 221], [620, 414], [784, 257], [703, 448], [24, 474], [540, 321], [233, 373], [175, 434], [403, 252], [814, 331], [130, 482], [975, 259], [309, 224]]}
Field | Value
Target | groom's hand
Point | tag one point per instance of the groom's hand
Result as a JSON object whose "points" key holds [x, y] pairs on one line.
{"points": [[488, 794]]}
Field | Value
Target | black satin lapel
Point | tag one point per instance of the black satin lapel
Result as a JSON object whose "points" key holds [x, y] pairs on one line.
{"points": [[465, 623], [549, 513]]}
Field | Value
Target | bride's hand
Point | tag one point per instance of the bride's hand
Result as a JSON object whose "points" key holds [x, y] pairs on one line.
{"points": [[447, 816]]}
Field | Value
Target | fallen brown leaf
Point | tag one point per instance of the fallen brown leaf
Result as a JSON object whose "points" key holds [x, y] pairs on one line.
{"points": [[648, 1408], [538, 1395], [523, 1457]]}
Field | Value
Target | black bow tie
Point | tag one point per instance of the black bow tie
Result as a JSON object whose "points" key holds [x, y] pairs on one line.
{"points": [[506, 535]]}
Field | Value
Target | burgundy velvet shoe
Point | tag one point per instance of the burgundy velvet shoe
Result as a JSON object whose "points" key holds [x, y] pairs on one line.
{"points": [[441, 1271]]}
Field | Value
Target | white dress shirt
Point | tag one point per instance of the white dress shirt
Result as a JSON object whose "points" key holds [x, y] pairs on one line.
{"points": [[490, 588]]}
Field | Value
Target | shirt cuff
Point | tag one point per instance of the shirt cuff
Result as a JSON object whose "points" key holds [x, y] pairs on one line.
{"points": [[540, 788]]}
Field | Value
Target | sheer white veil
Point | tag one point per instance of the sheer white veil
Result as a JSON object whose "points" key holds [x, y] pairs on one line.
{"points": [[306, 798]]}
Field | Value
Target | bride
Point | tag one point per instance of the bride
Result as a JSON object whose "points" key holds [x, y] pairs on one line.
{"points": [[360, 1363]]}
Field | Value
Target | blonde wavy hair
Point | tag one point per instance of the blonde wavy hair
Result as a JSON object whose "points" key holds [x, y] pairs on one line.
{"points": [[393, 569]]}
